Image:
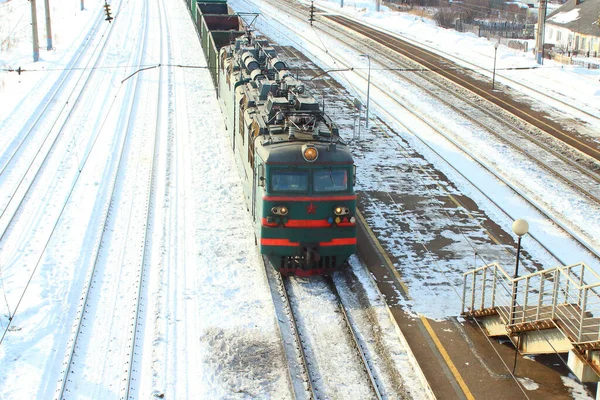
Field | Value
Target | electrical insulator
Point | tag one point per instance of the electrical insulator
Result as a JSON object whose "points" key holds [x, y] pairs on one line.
{"points": [[107, 11], [312, 13]]}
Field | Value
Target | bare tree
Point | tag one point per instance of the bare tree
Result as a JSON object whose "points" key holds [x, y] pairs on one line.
{"points": [[445, 17]]}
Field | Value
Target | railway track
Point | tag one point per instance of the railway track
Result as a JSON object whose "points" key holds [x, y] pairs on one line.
{"points": [[578, 110], [313, 350], [49, 130], [116, 285], [454, 73], [43, 164], [490, 119]]}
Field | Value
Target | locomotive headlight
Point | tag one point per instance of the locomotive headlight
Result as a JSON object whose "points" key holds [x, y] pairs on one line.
{"points": [[280, 210], [341, 210], [309, 152]]}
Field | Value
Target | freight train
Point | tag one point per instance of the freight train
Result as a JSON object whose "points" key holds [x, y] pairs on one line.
{"points": [[298, 175]]}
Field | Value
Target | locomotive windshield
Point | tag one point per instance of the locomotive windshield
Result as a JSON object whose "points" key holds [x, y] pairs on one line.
{"points": [[289, 181], [333, 180]]}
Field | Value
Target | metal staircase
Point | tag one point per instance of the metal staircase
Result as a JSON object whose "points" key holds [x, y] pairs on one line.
{"points": [[557, 309]]}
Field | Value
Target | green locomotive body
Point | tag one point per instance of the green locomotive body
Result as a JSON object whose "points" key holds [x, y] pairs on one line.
{"points": [[298, 176]]}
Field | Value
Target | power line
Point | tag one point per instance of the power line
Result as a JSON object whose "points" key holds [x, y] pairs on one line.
{"points": [[144, 67]]}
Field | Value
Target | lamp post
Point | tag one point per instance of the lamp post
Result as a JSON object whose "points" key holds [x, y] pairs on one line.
{"points": [[494, 74], [368, 87], [520, 227]]}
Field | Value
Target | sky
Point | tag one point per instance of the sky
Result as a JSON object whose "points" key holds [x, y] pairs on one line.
{"points": [[205, 298]]}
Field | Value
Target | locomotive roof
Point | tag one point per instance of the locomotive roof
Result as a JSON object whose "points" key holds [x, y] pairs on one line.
{"points": [[281, 113], [279, 100]]}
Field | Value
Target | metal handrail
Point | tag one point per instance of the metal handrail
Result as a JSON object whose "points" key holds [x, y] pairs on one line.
{"points": [[567, 295]]}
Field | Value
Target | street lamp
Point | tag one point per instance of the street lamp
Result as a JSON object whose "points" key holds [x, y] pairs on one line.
{"points": [[368, 87], [520, 227], [494, 74]]}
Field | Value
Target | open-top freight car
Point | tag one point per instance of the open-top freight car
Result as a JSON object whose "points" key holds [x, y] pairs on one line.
{"points": [[298, 175]]}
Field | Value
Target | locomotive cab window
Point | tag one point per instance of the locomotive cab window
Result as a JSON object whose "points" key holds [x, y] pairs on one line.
{"points": [[289, 181], [331, 180]]}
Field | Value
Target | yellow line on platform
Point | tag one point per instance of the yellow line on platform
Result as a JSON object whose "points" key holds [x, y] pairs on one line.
{"points": [[446, 356], [430, 331]]}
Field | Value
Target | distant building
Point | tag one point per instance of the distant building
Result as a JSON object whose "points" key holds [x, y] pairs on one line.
{"points": [[575, 27]]}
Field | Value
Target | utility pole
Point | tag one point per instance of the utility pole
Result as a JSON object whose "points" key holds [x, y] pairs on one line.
{"points": [[377, 5], [341, 3], [48, 26], [36, 44], [539, 43]]}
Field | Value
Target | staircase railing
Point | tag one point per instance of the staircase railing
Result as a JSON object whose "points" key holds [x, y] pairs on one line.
{"points": [[566, 297]]}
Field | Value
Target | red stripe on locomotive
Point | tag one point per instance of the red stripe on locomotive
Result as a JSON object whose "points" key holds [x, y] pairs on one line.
{"points": [[287, 242]]}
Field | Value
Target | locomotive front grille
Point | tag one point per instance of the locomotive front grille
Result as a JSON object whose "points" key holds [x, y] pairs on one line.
{"points": [[301, 262]]}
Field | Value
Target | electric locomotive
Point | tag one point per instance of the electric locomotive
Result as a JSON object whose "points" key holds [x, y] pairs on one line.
{"points": [[298, 175]]}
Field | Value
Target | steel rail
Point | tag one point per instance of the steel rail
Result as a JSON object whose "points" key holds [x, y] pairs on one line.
{"points": [[384, 38], [283, 291], [355, 340], [148, 205], [283, 312], [494, 173], [472, 66], [87, 290], [491, 171], [57, 87], [164, 37], [42, 162], [62, 209]]}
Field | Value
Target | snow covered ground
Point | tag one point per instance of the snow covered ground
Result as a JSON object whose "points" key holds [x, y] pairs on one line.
{"points": [[208, 324], [206, 281]]}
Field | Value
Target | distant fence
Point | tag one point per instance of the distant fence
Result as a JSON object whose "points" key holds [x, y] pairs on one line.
{"points": [[586, 59], [510, 30], [574, 60], [497, 35]]}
